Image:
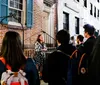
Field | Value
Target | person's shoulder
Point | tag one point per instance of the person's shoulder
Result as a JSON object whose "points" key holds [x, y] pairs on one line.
{"points": [[58, 53], [89, 41]]}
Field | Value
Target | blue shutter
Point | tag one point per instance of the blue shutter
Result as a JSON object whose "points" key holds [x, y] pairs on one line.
{"points": [[4, 10], [29, 14]]}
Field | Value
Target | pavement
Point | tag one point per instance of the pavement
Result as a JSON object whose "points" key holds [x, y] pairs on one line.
{"points": [[43, 83]]}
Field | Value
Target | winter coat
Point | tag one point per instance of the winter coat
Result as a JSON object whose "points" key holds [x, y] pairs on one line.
{"points": [[55, 68]]}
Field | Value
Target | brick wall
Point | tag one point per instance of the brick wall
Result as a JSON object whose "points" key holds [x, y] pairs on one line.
{"points": [[30, 35], [37, 25]]}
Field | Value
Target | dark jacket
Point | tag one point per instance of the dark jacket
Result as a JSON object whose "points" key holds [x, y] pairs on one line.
{"points": [[88, 45], [55, 68], [87, 49], [30, 70]]}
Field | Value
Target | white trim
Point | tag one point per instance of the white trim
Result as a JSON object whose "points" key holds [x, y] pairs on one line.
{"points": [[15, 8], [14, 23], [14, 5], [22, 15]]}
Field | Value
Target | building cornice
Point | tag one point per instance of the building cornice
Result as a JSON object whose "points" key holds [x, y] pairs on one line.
{"points": [[49, 2]]}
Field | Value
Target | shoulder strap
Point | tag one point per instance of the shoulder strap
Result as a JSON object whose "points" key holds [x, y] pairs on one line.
{"points": [[74, 53], [63, 52], [3, 61], [80, 62]]}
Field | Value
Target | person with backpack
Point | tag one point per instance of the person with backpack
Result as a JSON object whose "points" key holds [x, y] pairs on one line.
{"points": [[56, 68], [15, 69], [85, 50]]}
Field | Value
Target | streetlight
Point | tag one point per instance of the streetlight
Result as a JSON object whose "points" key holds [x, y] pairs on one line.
{"points": [[13, 15]]}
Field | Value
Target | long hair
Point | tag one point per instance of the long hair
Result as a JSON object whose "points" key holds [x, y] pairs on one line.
{"points": [[11, 50], [38, 38]]}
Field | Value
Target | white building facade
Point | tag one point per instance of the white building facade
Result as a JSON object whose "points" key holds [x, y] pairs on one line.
{"points": [[73, 14]]}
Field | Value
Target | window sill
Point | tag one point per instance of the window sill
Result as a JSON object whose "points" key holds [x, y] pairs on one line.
{"points": [[15, 25]]}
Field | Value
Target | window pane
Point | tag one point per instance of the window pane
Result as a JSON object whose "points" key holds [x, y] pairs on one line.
{"points": [[20, 1], [85, 3], [17, 15], [94, 11], [98, 14], [16, 0], [97, 0], [78, 0], [16, 5], [91, 9], [65, 21], [77, 25], [20, 6], [12, 3]]}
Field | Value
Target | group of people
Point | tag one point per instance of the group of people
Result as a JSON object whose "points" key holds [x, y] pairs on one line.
{"points": [[68, 65], [73, 65]]}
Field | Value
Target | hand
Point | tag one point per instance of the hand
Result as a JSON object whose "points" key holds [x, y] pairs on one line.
{"points": [[44, 49]]}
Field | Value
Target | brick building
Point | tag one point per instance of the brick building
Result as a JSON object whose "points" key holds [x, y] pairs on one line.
{"points": [[33, 15]]}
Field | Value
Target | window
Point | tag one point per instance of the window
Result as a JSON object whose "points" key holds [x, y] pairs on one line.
{"points": [[94, 11], [77, 25], [98, 14], [66, 21], [46, 3], [91, 9], [15, 7], [98, 1], [85, 3], [78, 0]]}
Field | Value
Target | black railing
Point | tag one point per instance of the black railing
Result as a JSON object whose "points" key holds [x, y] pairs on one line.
{"points": [[50, 42], [48, 39]]}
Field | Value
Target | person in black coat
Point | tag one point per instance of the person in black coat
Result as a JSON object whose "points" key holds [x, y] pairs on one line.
{"points": [[89, 43], [86, 49], [55, 68], [94, 68]]}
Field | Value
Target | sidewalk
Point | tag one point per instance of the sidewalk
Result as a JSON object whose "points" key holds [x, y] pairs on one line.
{"points": [[42, 83]]}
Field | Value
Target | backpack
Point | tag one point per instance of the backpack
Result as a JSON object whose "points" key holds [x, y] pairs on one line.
{"points": [[12, 78], [81, 60], [83, 65], [69, 73]]}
